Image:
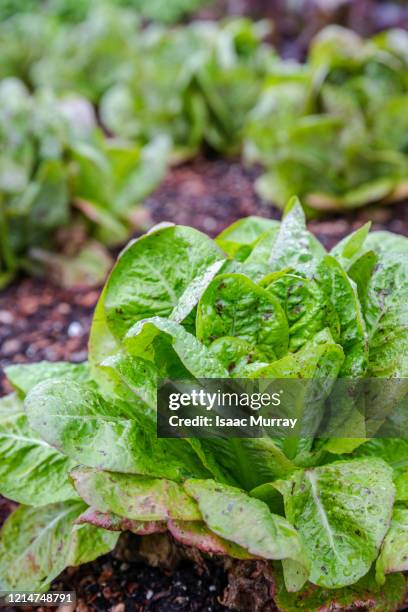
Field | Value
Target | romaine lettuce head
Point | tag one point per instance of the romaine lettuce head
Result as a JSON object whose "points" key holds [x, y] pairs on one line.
{"points": [[334, 130], [262, 300], [60, 174]]}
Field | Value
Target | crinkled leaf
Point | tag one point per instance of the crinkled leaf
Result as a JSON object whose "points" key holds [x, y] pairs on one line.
{"points": [[306, 306], [320, 357], [233, 515], [105, 434], [342, 512], [31, 471], [249, 461], [238, 356], [233, 305], [386, 308], [151, 338], [394, 551], [152, 274], [294, 246], [392, 450], [38, 543], [134, 497], [343, 295], [239, 238], [132, 379]]}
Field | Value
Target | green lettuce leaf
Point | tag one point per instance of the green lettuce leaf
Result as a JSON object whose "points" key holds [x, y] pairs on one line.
{"points": [[134, 497], [342, 512], [233, 305], [394, 550], [31, 471], [38, 543], [24, 377], [105, 434], [364, 594], [152, 338], [235, 516], [152, 274]]}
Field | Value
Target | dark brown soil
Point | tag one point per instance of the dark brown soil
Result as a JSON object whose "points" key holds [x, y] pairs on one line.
{"points": [[40, 321], [111, 584], [212, 194]]}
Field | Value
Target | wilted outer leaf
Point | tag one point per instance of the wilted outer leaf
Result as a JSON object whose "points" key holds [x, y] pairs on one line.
{"points": [[31, 471], [233, 305], [38, 543], [106, 434], [342, 511], [233, 515], [152, 274], [195, 533], [113, 522], [394, 551], [135, 497]]}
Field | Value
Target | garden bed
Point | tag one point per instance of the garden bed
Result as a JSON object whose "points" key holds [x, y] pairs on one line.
{"points": [[40, 321]]}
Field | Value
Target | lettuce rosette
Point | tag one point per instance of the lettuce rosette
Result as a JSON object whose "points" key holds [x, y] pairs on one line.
{"points": [[78, 443]]}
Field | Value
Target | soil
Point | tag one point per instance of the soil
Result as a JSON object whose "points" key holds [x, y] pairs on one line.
{"points": [[111, 584], [40, 321]]}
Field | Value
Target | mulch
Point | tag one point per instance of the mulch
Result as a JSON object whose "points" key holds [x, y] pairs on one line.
{"points": [[41, 321]]}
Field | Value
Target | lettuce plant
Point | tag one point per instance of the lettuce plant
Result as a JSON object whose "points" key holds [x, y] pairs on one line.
{"points": [[196, 83], [76, 10], [334, 130], [78, 443], [58, 172]]}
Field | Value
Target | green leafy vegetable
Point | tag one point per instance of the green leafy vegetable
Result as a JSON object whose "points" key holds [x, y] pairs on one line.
{"points": [[342, 512], [62, 180], [38, 543], [334, 130], [393, 556], [264, 300]]}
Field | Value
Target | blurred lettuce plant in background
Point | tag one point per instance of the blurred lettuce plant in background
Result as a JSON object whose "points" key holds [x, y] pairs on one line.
{"points": [[335, 129]]}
